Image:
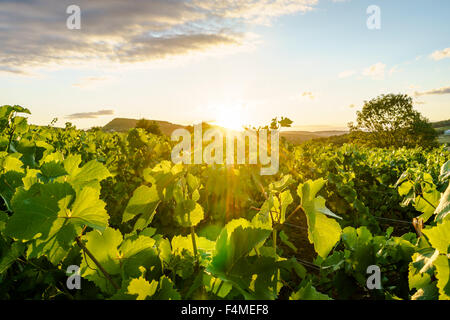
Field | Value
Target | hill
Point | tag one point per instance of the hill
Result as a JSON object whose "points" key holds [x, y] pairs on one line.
{"points": [[441, 124], [295, 137], [124, 124]]}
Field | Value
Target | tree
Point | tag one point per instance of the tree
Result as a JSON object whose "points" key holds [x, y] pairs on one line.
{"points": [[149, 126], [390, 120]]}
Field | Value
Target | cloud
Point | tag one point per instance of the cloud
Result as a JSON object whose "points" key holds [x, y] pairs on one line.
{"points": [[441, 54], [393, 70], [308, 95], [33, 33], [90, 115], [90, 81], [346, 74], [375, 71], [6, 69], [440, 91]]}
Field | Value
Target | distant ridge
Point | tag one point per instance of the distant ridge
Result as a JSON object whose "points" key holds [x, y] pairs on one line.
{"points": [[124, 124], [295, 137]]}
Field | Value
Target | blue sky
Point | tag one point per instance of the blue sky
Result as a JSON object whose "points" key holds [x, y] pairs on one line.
{"points": [[313, 61]]}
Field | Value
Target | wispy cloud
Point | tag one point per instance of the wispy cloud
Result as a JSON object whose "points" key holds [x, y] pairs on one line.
{"points": [[375, 71], [15, 71], [90, 115], [440, 91], [36, 33], [91, 81], [308, 95], [441, 54]]}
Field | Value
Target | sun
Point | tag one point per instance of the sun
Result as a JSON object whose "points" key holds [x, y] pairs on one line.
{"points": [[231, 118]]}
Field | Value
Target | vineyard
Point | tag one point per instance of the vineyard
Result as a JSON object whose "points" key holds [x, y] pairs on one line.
{"points": [[138, 226]]}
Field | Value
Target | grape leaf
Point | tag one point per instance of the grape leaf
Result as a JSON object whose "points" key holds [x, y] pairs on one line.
{"points": [[308, 292], [144, 201], [439, 236], [142, 288], [35, 210], [323, 232], [89, 210], [235, 241], [443, 209], [167, 290], [103, 247], [188, 213], [442, 265]]}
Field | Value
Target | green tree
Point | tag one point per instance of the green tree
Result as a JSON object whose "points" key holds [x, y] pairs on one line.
{"points": [[149, 126], [390, 120]]}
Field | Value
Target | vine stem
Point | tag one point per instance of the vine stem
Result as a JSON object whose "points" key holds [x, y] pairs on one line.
{"points": [[11, 135], [194, 244], [90, 255], [274, 235]]}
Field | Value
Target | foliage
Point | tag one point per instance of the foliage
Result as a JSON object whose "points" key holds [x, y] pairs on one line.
{"points": [[390, 120], [149, 126], [142, 228]]}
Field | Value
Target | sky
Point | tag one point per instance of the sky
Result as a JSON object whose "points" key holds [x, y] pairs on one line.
{"points": [[225, 61]]}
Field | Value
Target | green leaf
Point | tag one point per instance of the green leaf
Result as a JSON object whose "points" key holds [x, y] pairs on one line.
{"points": [[11, 163], [58, 243], [443, 209], [417, 279], [235, 241], [193, 182], [136, 253], [179, 243], [89, 210], [421, 268], [3, 219], [428, 292], [308, 191], [167, 290], [445, 171], [405, 187], [427, 203], [439, 236], [11, 255], [286, 200], [89, 175], [442, 265], [216, 286], [103, 247], [9, 182], [52, 170], [282, 184], [188, 213], [35, 210], [323, 232], [142, 288], [30, 178], [308, 292], [144, 201]]}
